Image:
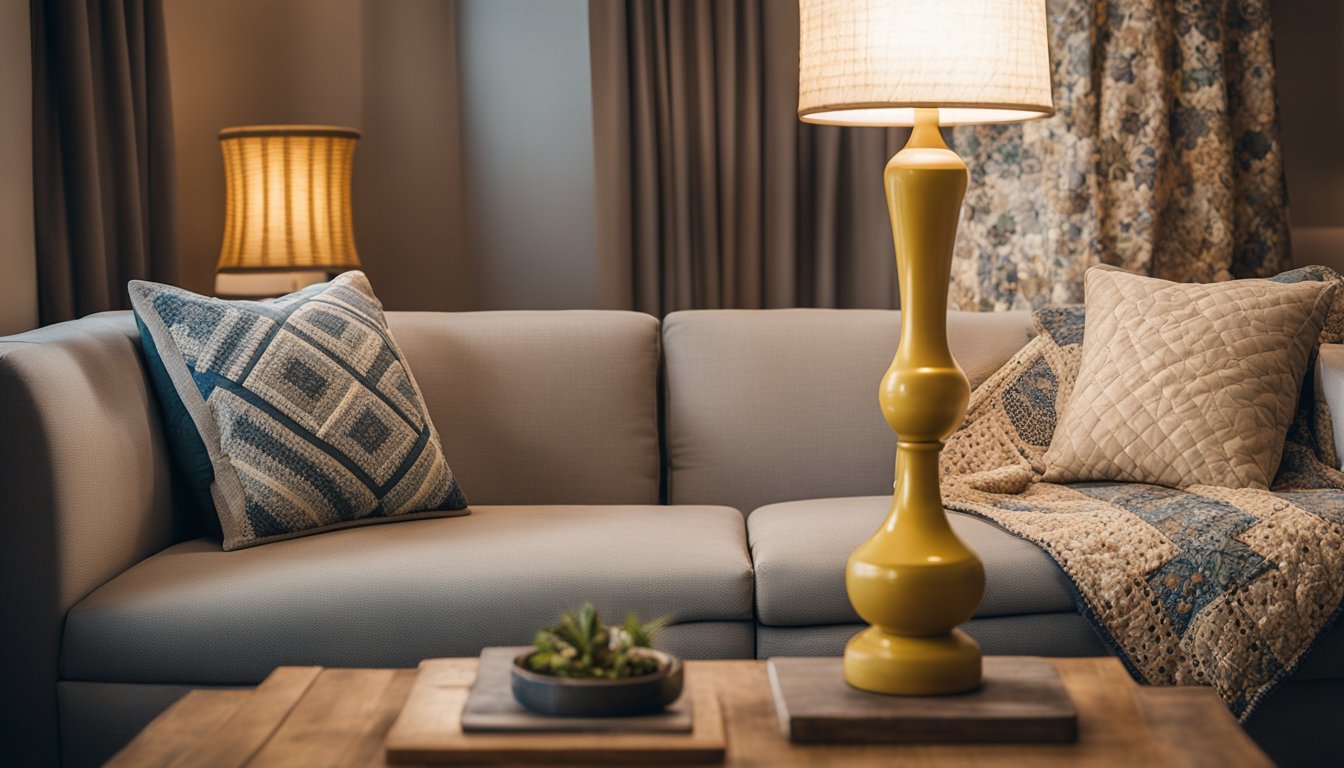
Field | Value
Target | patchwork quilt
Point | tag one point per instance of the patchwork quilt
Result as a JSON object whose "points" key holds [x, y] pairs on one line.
{"points": [[1226, 587]]}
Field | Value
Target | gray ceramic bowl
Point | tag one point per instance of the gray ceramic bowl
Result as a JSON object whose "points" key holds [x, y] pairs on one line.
{"points": [[586, 697]]}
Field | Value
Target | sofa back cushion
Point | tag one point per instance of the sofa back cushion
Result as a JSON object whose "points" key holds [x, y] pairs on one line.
{"points": [[541, 407], [778, 405]]}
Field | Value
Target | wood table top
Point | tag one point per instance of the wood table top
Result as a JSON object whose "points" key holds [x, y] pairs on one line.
{"points": [[316, 716]]}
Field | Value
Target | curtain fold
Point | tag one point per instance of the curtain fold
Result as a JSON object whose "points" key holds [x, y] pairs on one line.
{"points": [[710, 192], [1163, 157], [103, 168]]}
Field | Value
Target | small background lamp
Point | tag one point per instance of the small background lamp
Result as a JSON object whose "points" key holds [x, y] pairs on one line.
{"points": [[921, 63], [287, 220]]}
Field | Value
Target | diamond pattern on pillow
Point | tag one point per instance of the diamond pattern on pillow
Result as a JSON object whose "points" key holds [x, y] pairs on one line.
{"points": [[1184, 384], [304, 408]]}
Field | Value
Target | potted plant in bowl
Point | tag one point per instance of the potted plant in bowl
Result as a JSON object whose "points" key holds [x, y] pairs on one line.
{"points": [[583, 668]]}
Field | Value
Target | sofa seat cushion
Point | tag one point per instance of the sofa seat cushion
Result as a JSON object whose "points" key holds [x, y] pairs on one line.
{"points": [[800, 548], [1032, 634], [391, 595]]}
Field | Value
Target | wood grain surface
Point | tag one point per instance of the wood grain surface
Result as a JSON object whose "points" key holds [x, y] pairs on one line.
{"points": [[347, 723]]}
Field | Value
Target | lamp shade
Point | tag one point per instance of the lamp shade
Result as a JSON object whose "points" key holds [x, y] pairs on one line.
{"points": [[872, 62], [288, 198]]}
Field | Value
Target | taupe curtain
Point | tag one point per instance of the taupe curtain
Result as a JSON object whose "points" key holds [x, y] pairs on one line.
{"points": [[102, 153], [1163, 158], [710, 192]]}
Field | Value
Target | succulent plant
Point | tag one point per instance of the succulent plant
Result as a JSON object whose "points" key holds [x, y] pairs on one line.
{"points": [[581, 646]]}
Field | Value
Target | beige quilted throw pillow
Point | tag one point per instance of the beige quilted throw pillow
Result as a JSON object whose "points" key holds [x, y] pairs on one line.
{"points": [[1185, 384]]}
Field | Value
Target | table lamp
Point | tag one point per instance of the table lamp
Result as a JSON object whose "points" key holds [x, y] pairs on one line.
{"points": [[287, 220], [920, 63]]}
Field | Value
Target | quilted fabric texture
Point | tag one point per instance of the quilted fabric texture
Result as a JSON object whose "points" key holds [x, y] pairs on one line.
{"points": [[294, 415], [1186, 384], [1206, 585]]}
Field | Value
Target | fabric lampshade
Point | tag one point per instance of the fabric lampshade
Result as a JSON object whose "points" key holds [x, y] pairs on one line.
{"points": [[872, 62], [288, 198]]}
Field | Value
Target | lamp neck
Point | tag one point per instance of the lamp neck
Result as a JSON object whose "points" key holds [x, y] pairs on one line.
{"points": [[925, 134]]}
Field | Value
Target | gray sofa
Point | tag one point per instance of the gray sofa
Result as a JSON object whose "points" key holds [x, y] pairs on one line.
{"points": [[606, 457]]}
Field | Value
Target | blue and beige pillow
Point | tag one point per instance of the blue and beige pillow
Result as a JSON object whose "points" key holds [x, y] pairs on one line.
{"points": [[295, 415]]}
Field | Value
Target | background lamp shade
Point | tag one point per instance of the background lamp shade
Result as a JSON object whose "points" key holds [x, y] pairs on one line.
{"points": [[872, 62], [287, 198]]}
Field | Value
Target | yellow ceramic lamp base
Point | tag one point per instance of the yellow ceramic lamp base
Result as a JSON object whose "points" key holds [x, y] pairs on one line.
{"points": [[912, 666], [915, 580]]}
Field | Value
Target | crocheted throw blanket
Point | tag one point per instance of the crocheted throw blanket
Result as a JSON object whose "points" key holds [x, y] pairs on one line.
{"points": [[1216, 586]]}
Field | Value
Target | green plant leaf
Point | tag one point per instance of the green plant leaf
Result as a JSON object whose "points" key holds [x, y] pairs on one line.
{"points": [[581, 646]]}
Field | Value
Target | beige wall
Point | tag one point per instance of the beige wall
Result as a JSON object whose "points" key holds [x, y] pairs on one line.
{"points": [[515, 229], [473, 181], [244, 62], [18, 267], [1309, 48], [409, 210]]}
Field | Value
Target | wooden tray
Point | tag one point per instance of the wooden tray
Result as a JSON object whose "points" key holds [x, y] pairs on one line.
{"points": [[1023, 701], [429, 730]]}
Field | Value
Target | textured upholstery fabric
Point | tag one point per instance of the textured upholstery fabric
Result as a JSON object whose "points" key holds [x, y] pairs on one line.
{"points": [[83, 445], [309, 417], [1186, 384], [799, 549], [391, 595], [84, 494], [1036, 634], [545, 407], [83, 452], [778, 405]]}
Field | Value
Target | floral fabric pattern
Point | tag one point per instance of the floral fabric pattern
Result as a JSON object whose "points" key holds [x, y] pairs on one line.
{"points": [[1163, 158]]}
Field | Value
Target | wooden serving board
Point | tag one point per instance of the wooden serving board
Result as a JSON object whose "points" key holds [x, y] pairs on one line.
{"points": [[429, 730], [1023, 701]]}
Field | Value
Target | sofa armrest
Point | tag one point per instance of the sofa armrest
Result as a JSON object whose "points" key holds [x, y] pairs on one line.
{"points": [[84, 494]]}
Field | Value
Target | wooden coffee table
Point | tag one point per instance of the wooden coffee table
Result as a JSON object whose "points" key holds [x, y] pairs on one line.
{"points": [[302, 716]]}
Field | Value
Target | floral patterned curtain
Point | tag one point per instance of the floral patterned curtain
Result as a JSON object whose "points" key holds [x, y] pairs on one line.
{"points": [[1163, 157]]}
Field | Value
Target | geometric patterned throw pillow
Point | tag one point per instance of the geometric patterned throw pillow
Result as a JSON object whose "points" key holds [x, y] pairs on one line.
{"points": [[295, 415]]}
